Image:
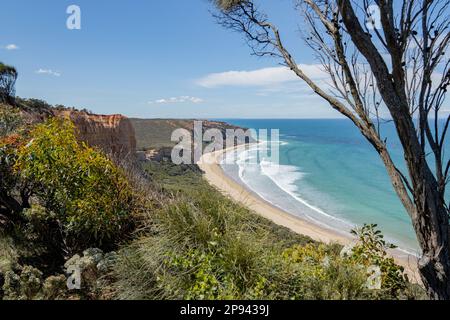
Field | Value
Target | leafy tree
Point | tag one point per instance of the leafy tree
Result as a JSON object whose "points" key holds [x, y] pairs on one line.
{"points": [[8, 77], [398, 66]]}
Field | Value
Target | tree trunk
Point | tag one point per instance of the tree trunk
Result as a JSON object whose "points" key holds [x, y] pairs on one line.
{"points": [[431, 218], [432, 230], [429, 215]]}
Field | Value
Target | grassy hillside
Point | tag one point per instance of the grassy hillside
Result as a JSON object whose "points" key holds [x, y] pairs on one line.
{"points": [[156, 133], [201, 245], [154, 230]]}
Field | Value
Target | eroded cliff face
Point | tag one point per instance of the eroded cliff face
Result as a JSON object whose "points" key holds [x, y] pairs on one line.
{"points": [[111, 133]]}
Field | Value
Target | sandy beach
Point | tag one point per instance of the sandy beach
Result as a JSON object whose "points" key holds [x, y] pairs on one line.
{"points": [[214, 174]]}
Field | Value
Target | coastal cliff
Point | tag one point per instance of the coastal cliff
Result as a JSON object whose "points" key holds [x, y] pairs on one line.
{"points": [[111, 133]]}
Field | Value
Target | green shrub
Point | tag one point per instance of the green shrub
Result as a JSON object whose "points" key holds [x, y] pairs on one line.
{"points": [[201, 280], [89, 196], [318, 272], [23, 286], [10, 119], [201, 245], [371, 250], [9, 255], [55, 288], [29, 284]]}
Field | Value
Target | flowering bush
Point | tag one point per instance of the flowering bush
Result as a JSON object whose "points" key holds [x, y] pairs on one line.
{"points": [[89, 195]]}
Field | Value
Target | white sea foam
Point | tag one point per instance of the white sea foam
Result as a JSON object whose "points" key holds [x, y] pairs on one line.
{"points": [[285, 177], [320, 188]]}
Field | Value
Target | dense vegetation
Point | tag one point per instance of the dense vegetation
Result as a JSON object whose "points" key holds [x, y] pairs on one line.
{"points": [[85, 191], [58, 197], [201, 245], [163, 231]]}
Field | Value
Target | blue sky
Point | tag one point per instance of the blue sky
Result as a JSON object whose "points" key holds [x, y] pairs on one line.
{"points": [[152, 58], [147, 59]]}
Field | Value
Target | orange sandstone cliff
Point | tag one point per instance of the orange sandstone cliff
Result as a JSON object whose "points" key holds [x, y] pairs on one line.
{"points": [[111, 133]]}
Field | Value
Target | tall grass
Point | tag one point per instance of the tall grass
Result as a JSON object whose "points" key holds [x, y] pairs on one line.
{"points": [[198, 244]]}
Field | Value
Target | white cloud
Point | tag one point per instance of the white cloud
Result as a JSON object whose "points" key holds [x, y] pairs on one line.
{"points": [[49, 72], [11, 46], [182, 99], [261, 77]]}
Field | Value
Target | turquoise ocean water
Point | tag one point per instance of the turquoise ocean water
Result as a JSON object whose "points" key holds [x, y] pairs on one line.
{"points": [[329, 174]]}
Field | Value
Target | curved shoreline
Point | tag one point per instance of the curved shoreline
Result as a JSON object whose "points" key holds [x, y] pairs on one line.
{"points": [[215, 175]]}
